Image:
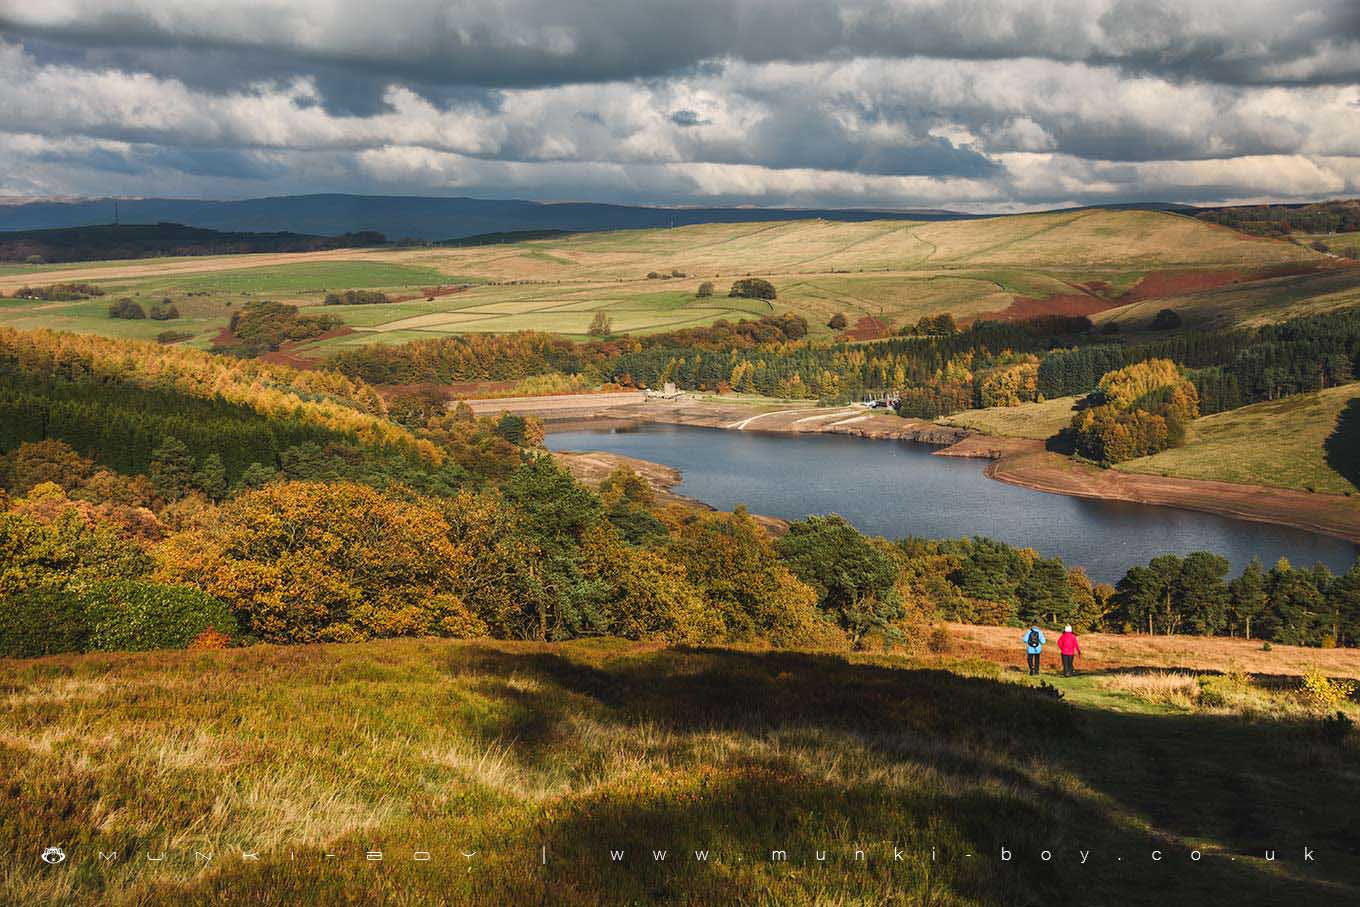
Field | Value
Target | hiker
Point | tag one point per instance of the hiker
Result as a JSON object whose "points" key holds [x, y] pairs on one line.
{"points": [[1070, 649], [1034, 644]]}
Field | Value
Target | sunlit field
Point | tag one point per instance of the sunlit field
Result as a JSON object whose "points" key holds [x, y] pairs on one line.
{"points": [[892, 272]]}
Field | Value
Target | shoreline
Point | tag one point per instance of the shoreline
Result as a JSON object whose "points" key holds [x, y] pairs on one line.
{"points": [[1016, 461], [1330, 515]]}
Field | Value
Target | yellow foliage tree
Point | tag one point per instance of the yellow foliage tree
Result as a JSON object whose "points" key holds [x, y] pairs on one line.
{"points": [[306, 562]]}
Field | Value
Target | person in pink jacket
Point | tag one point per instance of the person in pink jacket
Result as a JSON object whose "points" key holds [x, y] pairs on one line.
{"points": [[1070, 649]]}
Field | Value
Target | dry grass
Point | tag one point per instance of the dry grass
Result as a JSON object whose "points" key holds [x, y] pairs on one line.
{"points": [[1114, 651], [1172, 688], [1256, 302], [583, 747], [894, 270], [1038, 421]]}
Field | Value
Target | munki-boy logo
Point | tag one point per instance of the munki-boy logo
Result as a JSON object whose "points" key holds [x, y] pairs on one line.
{"points": [[626, 855]]}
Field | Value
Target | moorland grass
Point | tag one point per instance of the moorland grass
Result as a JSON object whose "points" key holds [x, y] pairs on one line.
{"points": [[297, 278], [588, 746], [1038, 421], [1296, 442], [1250, 303]]}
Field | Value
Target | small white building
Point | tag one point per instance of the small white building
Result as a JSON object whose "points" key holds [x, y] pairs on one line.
{"points": [[668, 392]]}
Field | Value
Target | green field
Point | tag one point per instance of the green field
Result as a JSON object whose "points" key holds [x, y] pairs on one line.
{"points": [[540, 759], [1028, 420], [893, 271], [305, 278], [1309, 442], [205, 300]]}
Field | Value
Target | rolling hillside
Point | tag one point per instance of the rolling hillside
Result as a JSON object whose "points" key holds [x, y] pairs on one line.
{"points": [[1309, 442], [880, 274], [1247, 302]]}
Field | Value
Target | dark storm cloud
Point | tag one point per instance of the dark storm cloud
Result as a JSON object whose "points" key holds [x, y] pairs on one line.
{"points": [[937, 102], [811, 139], [518, 43]]}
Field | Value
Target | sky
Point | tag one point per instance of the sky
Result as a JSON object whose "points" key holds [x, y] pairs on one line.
{"points": [[971, 105]]}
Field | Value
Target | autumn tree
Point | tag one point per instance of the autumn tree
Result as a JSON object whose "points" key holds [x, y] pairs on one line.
{"points": [[601, 325], [730, 560], [309, 562], [1139, 410], [126, 308], [752, 288]]}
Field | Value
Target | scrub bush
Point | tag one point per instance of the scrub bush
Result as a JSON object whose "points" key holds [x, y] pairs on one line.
{"points": [[132, 616], [42, 621]]}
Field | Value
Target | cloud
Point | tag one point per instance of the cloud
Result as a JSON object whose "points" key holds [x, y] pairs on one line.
{"points": [[517, 43], [1002, 102]]}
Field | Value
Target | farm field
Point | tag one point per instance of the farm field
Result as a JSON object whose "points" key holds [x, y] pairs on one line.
{"points": [[205, 297], [1309, 442], [541, 758], [880, 274]]}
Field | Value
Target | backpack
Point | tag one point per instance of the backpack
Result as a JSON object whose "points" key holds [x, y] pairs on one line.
{"points": [[1033, 639]]}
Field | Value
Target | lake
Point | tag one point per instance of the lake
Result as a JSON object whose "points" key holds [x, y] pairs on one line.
{"points": [[897, 488]]}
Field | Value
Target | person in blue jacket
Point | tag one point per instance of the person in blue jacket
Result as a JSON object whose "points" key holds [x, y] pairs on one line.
{"points": [[1034, 640]]}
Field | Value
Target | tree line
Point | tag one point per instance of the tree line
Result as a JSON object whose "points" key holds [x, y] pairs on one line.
{"points": [[1231, 367], [455, 525]]}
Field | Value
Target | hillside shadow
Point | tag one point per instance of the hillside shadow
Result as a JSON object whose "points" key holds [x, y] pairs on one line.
{"points": [[819, 752], [1064, 441], [1343, 444]]}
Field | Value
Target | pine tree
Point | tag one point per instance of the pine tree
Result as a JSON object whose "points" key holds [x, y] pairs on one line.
{"points": [[211, 477], [1247, 597], [172, 468]]}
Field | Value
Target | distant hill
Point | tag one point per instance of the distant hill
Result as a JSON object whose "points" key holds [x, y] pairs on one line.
{"points": [[402, 217], [122, 241]]}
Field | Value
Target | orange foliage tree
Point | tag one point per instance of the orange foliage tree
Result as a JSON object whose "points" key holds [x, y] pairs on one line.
{"points": [[305, 562]]}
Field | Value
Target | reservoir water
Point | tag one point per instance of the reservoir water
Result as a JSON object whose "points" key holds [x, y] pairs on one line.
{"points": [[897, 488]]}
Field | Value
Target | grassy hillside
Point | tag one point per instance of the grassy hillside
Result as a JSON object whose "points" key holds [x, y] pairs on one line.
{"points": [[895, 271], [539, 759], [1028, 420], [1247, 303], [1310, 442]]}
